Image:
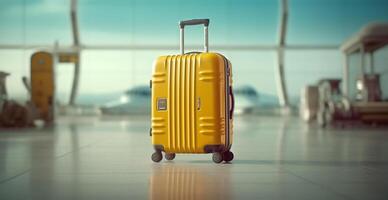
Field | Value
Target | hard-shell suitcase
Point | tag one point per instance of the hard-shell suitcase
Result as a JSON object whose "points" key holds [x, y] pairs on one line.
{"points": [[192, 102]]}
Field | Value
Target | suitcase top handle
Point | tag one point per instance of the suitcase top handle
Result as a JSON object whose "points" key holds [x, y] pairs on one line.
{"points": [[192, 22]]}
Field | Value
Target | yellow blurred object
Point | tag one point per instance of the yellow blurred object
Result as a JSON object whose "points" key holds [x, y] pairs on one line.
{"points": [[42, 84], [70, 57]]}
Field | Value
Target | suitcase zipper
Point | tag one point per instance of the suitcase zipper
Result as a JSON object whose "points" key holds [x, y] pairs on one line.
{"points": [[227, 118]]}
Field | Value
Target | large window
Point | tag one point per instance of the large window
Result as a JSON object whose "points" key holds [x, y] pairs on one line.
{"points": [[154, 23]]}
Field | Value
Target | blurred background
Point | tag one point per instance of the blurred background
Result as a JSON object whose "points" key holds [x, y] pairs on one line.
{"points": [[91, 139], [120, 39]]}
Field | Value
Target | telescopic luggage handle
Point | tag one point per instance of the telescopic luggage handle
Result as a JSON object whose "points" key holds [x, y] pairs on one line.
{"points": [[192, 22]]}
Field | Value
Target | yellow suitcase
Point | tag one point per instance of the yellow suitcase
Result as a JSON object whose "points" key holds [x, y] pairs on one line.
{"points": [[42, 84], [192, 103]]}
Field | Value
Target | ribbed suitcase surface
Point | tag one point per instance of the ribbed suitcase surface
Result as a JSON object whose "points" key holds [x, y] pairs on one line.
{"points": [[181, 94], [194, 90]]}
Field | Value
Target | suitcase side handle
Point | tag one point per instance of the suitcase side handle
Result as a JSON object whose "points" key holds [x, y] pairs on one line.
{"points": [[192, 22], [232, 98]]}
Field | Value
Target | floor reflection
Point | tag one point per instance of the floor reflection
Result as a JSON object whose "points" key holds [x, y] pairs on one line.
{"points": [[177, 181], [275, 158]]}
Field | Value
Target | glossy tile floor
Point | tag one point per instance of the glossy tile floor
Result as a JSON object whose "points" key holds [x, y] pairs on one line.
{"points": [[275, 158]]}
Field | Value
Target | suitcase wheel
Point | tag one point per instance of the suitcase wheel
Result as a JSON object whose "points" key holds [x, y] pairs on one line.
{"points": [[157, 156], [218, 157], [228, 156], [169, 156]]}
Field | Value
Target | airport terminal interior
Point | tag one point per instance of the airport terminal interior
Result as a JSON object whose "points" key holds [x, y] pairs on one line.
{"points": [[231, 99]]}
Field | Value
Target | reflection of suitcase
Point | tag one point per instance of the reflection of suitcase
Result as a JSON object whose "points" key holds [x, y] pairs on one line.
{"points": [[177, 182], [192, 103], [42, 84]]}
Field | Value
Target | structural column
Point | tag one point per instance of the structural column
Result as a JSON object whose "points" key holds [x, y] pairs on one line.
{"points": [[372, 63], [345, 84], [280, 77], [76, 44], [362, 52]]}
